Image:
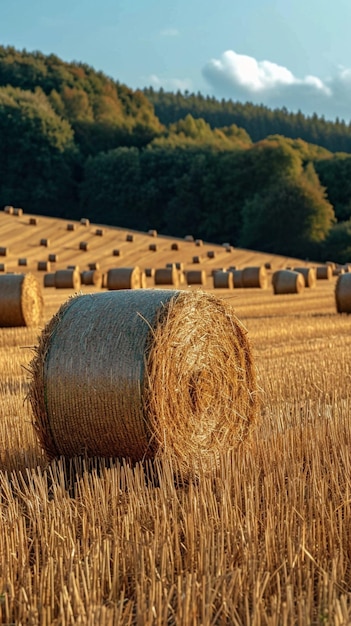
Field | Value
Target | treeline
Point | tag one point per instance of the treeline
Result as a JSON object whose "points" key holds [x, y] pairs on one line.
{"points": [[75, 142]]}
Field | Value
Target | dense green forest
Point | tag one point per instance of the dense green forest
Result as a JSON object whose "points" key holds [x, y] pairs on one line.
{"points": [[76, 142]]}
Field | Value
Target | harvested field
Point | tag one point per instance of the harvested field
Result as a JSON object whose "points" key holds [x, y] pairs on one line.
{"points": [[264, 540]]}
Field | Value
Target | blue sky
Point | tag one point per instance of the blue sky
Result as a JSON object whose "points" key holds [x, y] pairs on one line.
{"points": [[292, 53]]}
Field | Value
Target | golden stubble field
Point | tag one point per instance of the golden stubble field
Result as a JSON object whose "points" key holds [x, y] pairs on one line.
{"points": [[266, 540]]}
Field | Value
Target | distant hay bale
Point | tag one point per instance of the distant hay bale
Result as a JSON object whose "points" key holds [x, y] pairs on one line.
{"points": [[44, 266], [211, 254], [49, 280], [44, 242], [309, 274], [189, 238], [268, 265], [83, 245], [228, 249], [94, 266], [4, 251], [152, 233], [343, 293], [153, 247], [175, 246], [85, 221], [22, 261], [8, 209], [177, 383], [254, 277], [197, 259], [143, 281], [99, 232], [33, 221], [123, 278], [226, 245], [130, 238], [21, 300], [17, 211], [53, 258], [332, 264], [167, 276], [287, 281], [223, 280], [196, 277], [218, 269], [73, 267], [179, 265], [324, 272], [91, 277], [149, 272], [199, 242], [116, 252], [2, 267], [70, 227], [67, 279]]}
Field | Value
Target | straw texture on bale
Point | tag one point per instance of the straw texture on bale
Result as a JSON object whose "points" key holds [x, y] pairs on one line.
{"points": [[223, 280], [309, 274], [343, 293], [67, 279], [21, 300], [4, 251], [49, 279], [91, 277], [148, 374], [22, 261], [167, 276], [123, 278], [196, 277], [255, 277], [287, 281], [324, 272]]}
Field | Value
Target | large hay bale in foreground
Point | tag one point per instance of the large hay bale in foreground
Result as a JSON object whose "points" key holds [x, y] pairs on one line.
{"points": [[309, 274], [287, 281], [145, 374], [123, 278], [343, 293], [68, 279], [21, 300], [254, 277]]}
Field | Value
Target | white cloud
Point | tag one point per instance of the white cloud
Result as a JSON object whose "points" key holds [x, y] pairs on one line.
{"points": [[169, 32], [242, 77], [170, 84]]}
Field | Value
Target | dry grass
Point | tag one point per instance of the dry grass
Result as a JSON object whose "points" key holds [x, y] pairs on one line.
{"points": [[264, 541]]}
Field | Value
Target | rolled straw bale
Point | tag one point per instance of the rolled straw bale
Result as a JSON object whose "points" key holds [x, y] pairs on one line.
{"points": [[343, 293], [332, 264], [17, 211], [268, 265], [149, 272], [21, 300], [228, 248], [44, 242], [211, 254], [33, 221], [99, 232], [152, 233], [83, 245], [175, 246], [130, 238], [324, 272], [188, 238], [167, 276], [218, 269], [255, 277], [195, 277], [179, 265], [44, 266], [153, 247], [123, 278], [2, 267], [226, 245], [85, 221], [70, 227], [22, 261], [223, 280], [197, 259], [49, 279], [8, 209], [67, 279], [199, 242], [4, 251], [116, 252], [237, 278], [143, 281], [151, 374], [91, 277], [287, 281], [309, 274], [94, 266], [53, 258], [73, 267]]}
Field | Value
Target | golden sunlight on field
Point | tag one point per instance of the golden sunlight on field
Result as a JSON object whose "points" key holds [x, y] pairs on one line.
{"points": [[264, 539]]}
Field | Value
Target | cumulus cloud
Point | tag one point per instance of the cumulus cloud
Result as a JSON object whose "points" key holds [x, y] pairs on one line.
{"points": [[170, 84], [242, 77]]}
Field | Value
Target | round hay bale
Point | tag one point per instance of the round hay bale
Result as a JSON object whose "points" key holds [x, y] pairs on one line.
{"points": [[254, 277], [4, 251], [85, 221], [343, 293], [287, 281], [116, 252], [197, 259], [153, 247], [33, 221], [123, 278], [223, 280], [143, 281], [167, 276], [17, 211], [196, 277], [53, 258], [44, 266], [83, 245], [99, 232], [8, 209], [67, 279], [91, 277], [179, 265], [94, 266], [228, 248], [175, 246], [188, 238], [268, 265], [309, 274], [130, 238], [153, 374], [149, 272], [22, 261], [2, 267], [49, 279], [44, 242], [73, 267], [70, 227], [152, 233], [324, 272], [199, 242], [237, 278], [211, 254], [21, 300]]}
